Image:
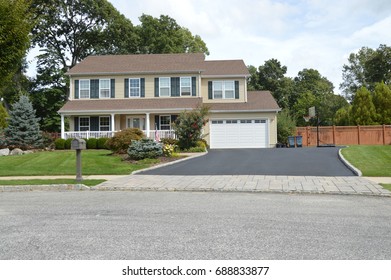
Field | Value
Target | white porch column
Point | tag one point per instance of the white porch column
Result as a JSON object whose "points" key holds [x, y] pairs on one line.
{"points": [[147, 124], [62, 127], [112, 122]]}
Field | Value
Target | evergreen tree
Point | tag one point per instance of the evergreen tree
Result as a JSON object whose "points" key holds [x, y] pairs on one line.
{"points": [[382, 102], [23, 126], [363, 110], [3, 116]]}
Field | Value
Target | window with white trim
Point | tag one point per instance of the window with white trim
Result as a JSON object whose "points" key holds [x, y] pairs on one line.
{"points": [[165, 122], [164, 87], [104, 88], [84, 123], [136, 122], [84, 89], [185, 86], [104, 123], [223, 89], [134, 87]]}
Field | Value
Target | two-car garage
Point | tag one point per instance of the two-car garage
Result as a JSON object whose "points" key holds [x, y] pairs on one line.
{"points": [[239, 133]]}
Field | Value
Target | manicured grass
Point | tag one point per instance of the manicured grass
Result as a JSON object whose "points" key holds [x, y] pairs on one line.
{"points": [[386, 186], [94, 162], [371, 160], [88, 182]]}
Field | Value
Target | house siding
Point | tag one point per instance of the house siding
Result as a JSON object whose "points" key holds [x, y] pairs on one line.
{"points": [[205, 90]]}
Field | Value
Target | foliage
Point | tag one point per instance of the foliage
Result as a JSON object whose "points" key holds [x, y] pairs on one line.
{"points": [[23, 127], [94, 162], [169, 141], [91, 143], [196, 150], [366, 68], [168, 150], [15, 26], [59, 144], [101, 143], [285, 126], [382, 103], [164, 35], [68, 143], [343, 116], [3, 116], [120, 142], [145, 148], [188, 126], [47, 139], [363, 110]]}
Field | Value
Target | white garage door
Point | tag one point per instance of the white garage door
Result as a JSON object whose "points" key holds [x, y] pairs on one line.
{"points": [[233, 133]]}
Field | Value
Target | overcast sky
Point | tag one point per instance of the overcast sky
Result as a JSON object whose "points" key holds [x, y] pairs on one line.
{"points": [[317, 34]]}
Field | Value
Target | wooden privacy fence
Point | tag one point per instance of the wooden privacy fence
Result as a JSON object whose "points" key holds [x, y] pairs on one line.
{"points": [[346, 135]]}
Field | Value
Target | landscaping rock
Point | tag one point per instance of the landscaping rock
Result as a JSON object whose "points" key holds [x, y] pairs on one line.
{"points": [[28, 152], [4, 152], [16, 152]]}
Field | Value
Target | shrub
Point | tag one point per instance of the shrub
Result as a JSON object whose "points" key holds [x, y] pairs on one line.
{"points": [[285, 126], [201, 144], [145, 148], [59, 144], [168, 150], [91, 143], [188, 126], [169, 141], [195, 150], [68, 143], [122, 139], [101, 143]]}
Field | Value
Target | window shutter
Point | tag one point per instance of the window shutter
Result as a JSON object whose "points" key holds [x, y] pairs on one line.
{"points": [[94, 88], [173, 118], [175, 86], [76, 89], [156, 87], [157, 124], [112, 88], [193, 86], [126, 88], [76, 120], [210, 90], [142, 87], [236, 89], [94, 123]]}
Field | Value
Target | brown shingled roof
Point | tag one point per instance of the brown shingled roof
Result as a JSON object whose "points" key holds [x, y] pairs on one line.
{"points": [[157, 63], [256, 101], [136, 104]]}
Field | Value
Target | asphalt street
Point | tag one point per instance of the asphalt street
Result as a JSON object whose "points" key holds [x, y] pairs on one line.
{"points": [[185, 225], [285, 161]]}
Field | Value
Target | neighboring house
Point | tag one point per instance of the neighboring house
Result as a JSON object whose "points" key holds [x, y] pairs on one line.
{"points": [[113, 92]]}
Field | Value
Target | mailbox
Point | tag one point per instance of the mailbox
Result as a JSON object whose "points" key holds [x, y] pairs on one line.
{"points": [[78, 144]]}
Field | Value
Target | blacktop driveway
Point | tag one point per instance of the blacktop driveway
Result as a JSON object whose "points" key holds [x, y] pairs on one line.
{"points": [[286, 162]]}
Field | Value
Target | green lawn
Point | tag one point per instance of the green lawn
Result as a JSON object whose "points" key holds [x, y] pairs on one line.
{"points": [[88, 182], [386, 186], [371, 160], [94, 162]]}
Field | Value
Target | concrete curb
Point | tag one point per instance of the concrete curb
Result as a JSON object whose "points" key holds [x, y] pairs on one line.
{"points": [[169, 163], [54, 187], [348, 164]]}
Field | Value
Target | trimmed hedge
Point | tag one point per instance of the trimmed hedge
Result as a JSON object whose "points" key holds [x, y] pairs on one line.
{"points": [[91, 143], [59, 144], [101, 143]]}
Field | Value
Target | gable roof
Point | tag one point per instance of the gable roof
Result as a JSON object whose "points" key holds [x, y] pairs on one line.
{"points": [[157, 63]]}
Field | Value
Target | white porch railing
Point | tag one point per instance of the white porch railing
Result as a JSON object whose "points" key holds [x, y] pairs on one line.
{"points": [[161, 134], [108, 134], [89, 134]]}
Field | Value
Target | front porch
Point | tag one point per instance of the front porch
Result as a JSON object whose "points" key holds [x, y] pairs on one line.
{"points": [[153, 125], [153, 134]]}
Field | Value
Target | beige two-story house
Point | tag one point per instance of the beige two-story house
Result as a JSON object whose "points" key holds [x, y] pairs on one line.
{"points": [[113, 92]]}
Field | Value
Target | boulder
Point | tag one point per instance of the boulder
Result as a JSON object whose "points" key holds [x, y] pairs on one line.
{"points": [[16, 152], [28, 152], [4, 152]]}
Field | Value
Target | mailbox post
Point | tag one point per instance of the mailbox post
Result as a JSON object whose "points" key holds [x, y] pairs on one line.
{"points": [[78, 145]]}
